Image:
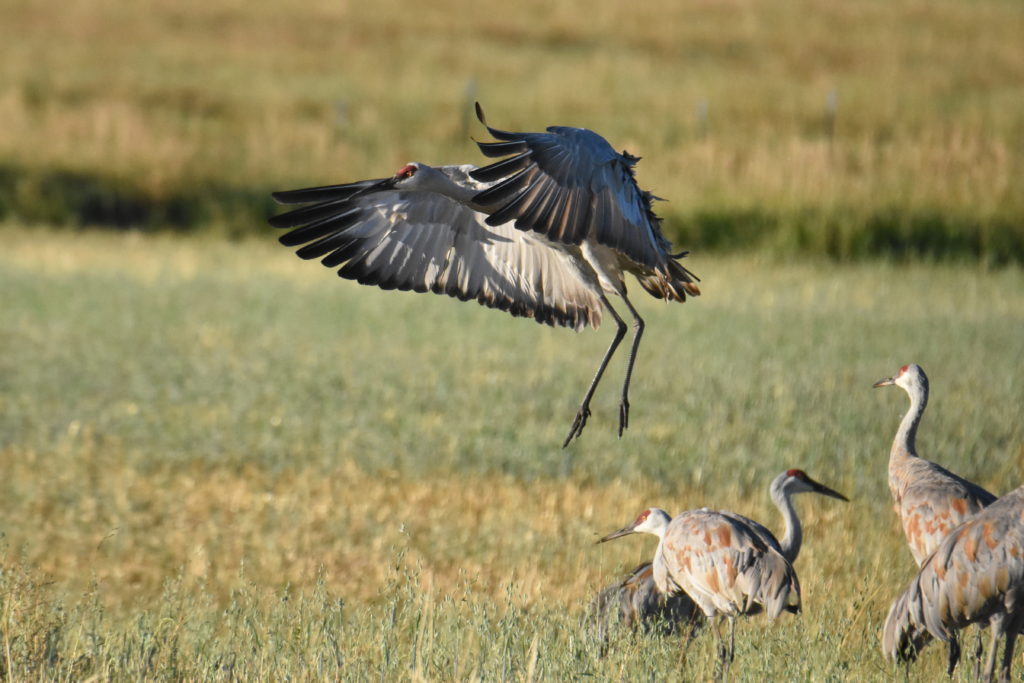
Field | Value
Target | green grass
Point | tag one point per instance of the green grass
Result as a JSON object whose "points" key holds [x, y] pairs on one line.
{"points": [[220, 461], [188, 114]]}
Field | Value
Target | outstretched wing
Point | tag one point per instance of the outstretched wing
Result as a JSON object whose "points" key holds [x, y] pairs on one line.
{"points": [[568, 184], [427, 242]]}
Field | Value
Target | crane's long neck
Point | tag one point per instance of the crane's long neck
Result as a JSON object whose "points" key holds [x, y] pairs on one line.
{"points": [[794, 536], [659, 525], [431, 179], [905, 442], [660, 569]]}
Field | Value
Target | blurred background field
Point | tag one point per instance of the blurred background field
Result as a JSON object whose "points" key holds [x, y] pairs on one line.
{"points": [[219, 453], [221, 462], [846, 129]]}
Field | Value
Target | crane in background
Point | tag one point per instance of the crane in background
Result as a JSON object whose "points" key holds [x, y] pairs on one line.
{"points": [[929, 499], [975, 575], [637, 601]]}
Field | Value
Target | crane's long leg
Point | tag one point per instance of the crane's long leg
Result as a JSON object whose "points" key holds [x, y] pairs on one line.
{"points": [[732, 638], [954, 655], [1004, 669], [1016, 623], [638, 330], [584, 411], [719, 640], [979, 650], [996, 624]]}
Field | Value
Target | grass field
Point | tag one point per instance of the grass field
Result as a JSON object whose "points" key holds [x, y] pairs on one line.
{"points": [[822, 127], [222, 462]]}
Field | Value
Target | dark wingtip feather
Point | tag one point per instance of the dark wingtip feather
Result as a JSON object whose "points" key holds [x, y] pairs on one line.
{"points": [[501, 169], [502, 149], [500, 134], [285, 220], [329, 192], [281, 197]]}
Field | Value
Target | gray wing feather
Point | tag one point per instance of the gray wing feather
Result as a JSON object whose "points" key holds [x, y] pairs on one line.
{"points": [[725, 566], [425, 241], [762, 531], [932, 501], [575, 186]]}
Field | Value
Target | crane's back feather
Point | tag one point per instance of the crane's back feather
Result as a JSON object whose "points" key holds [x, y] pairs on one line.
{"points": [[976, 573], [725, 566]]}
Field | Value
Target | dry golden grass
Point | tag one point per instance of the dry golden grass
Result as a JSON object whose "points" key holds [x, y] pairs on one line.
{"points": [[288, 527], [215, 452]]}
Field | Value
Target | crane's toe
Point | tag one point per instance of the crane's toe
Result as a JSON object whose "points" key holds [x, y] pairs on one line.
{"points": [[623, 415], [578, 424]]}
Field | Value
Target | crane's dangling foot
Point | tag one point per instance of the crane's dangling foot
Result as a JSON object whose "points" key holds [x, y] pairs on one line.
{"points": [[579, 423], [623, 415]]}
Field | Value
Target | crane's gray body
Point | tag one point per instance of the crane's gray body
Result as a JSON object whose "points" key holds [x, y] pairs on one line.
{"points": [[929, 499], [975, 575]]}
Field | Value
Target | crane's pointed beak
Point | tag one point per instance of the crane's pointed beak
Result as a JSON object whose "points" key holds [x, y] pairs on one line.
{"points": [[624, 531], [887, 382], [826, 491]]}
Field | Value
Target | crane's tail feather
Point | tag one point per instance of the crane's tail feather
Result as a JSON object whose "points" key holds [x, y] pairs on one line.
{"points": [[674, 285], [781, 583], [904, 634]]}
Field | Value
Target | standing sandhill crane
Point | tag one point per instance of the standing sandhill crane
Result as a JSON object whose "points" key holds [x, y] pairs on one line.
{"points": [[929, 499], [640, 600], [727, 563], [720, 562], [975, 575], [544, 234]]}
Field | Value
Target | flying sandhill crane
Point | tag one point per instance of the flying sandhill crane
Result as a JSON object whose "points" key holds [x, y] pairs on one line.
{"points": [[975, 575], [545, 234], [637, 599], [929, 499]]}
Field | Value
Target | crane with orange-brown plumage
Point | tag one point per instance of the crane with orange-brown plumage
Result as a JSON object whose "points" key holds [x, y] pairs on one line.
{"points": [[729, 564], [546, 232], [929, 499], [636, 601], [975, 575]]}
